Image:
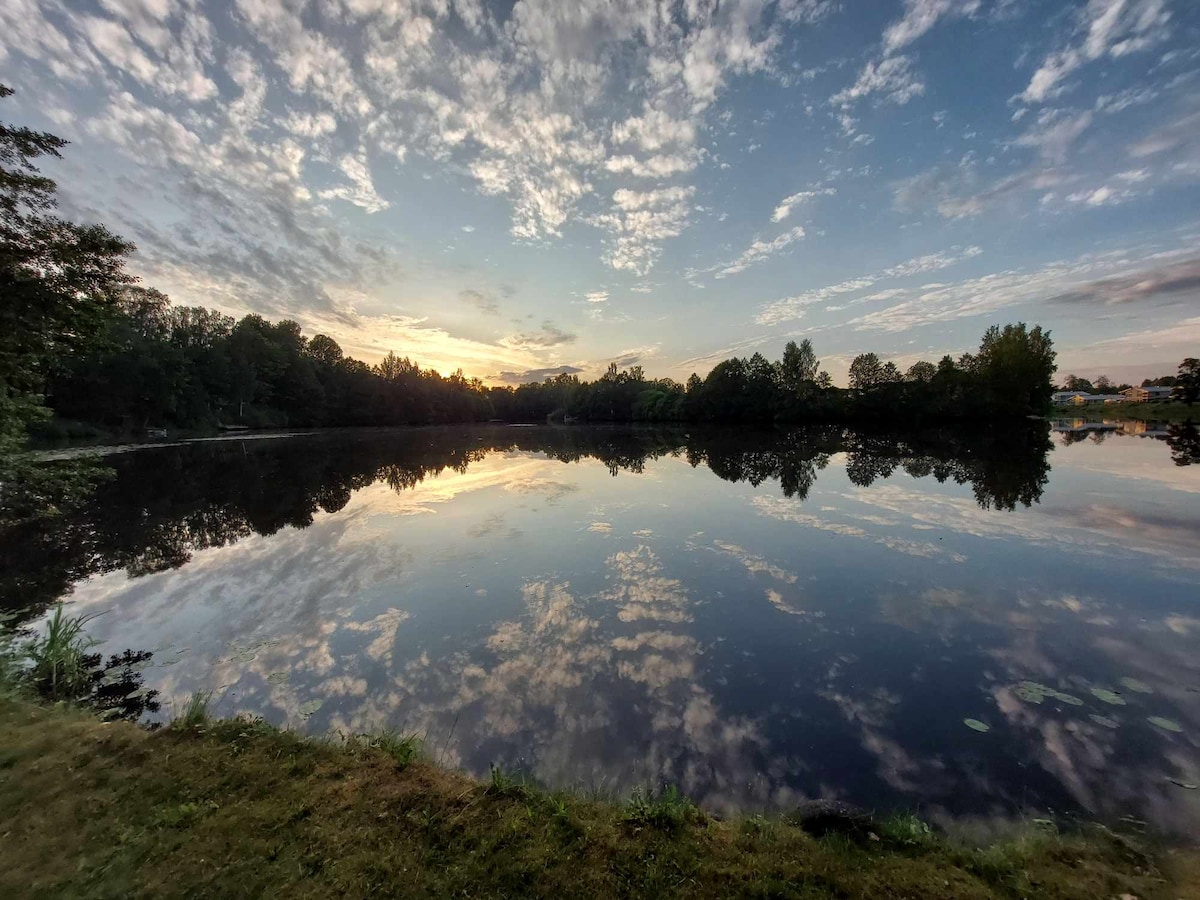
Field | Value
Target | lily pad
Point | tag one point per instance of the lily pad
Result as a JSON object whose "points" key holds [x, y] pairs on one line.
{"points": [[1032, 692], [1107, 696], [277, 677], [976, 725], [1138, 687], [309, 707], [1165, 724], [1104, 720]]}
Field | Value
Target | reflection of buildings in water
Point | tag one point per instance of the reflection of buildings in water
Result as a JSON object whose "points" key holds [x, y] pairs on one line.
{"points": [[1129, 427]]}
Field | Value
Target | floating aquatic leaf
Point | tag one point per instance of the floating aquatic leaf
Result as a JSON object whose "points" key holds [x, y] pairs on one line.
{"points": [[1165, 724], [1103, 720], [976, 725], [309, 707], [1032, 692], [1139, 687], [1107, 696], [242, 656], [277, 677], [1186, 785]]}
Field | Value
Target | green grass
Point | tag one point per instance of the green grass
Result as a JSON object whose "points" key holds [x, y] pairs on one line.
{"points": [[507, 784], [668, 809], [404, 749], [196, 712], [59, 667], [1144, 412], [240, 809]]}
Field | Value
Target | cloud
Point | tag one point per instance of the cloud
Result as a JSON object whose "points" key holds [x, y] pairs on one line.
{"points": [[791, 308], [1118, 276], [1150, 283], [361, 190], [1112, 28], [1101, 196], [563, 110], [920, 16], [534, 375], [640, 222], [596, 296], [787, 204], [1054, 133], [891, 77], [548, 336], [663, 166], [757, 252]]}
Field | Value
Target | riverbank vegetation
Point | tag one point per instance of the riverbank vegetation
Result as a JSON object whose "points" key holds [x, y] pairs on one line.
{"points": [[92, 806], [238, 808]]}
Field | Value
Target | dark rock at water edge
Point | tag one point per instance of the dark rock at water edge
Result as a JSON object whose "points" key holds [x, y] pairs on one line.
{"points": [[823, 817]]}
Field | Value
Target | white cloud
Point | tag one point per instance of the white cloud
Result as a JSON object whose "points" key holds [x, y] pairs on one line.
{"points": [[787, 204], [791, 308], [757, 252], [596, 296], [663, 166], [361, 190], [310, 125], [640, 222], [1101, 196], [892, 77], [891, 74], [1112, 28], [919, 17], [1087, 278]]}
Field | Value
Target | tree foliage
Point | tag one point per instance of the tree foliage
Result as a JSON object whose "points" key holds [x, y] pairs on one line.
{"points": [[1187, 382]]}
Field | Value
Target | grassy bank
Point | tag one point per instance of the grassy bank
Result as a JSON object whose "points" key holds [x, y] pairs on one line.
{"points": [[97, 807], [1142, 412], [239, 809]]}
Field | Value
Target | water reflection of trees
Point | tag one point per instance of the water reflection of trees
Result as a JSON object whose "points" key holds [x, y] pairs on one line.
{"points": [[164, 505], [1184, 440]]}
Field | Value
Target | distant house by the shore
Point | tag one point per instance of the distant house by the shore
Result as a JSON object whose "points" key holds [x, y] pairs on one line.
{"points": [[1147, 394], [1082, 398]]}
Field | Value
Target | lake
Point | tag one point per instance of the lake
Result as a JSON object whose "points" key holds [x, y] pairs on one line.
{"points": [[965, 623]]}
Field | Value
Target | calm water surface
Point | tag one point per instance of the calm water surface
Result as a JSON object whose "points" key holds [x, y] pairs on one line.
{"points": [[755, 618]]}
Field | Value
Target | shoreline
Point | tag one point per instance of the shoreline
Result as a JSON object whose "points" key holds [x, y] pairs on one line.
{"points": [[240, 808]]}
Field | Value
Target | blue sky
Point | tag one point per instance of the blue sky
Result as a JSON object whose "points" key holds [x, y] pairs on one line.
{"points": [[516, 189]]}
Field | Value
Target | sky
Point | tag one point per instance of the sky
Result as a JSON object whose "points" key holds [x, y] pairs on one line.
{"points": [[520, 189]]}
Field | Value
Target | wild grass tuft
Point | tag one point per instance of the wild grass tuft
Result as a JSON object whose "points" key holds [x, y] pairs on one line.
{"points": [[507, 784], [196, 712], [906, 830], [60, 665], [668, 810], [404, 749]]}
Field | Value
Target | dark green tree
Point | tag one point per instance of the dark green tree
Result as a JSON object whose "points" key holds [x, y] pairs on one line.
{"points": [[1187, 382]]}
